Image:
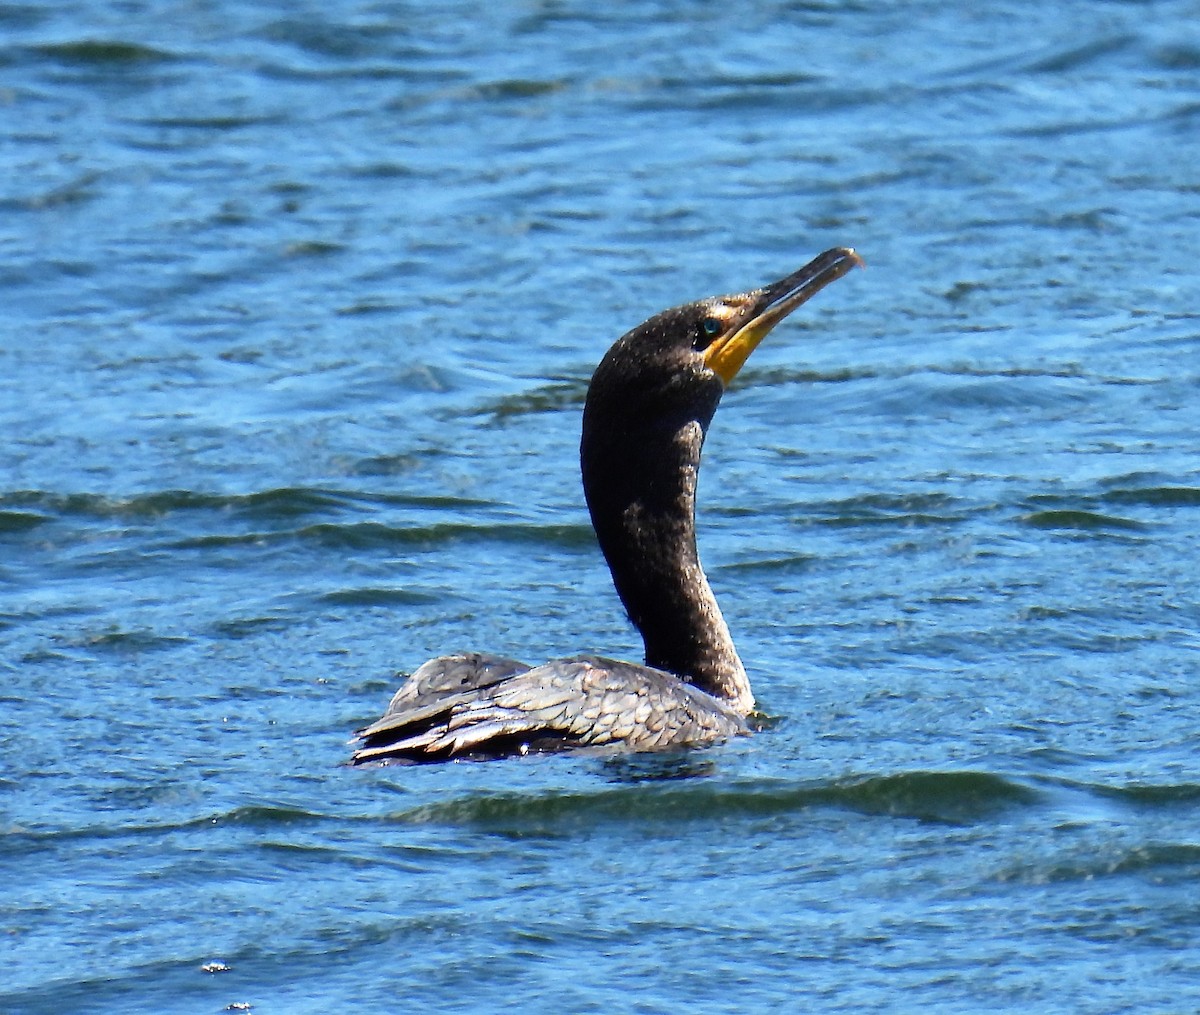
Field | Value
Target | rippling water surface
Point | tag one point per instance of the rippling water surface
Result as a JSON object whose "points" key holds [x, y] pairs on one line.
{"points": [[300, 306]]}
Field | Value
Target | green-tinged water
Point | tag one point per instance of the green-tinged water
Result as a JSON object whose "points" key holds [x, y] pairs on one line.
{"points": [[300, 305]]}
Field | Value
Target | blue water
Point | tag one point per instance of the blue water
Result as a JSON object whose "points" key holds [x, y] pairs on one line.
{"points": [[300, 304]]}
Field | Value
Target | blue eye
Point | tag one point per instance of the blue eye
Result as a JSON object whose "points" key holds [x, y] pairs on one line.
{"points": [[710, 327]]}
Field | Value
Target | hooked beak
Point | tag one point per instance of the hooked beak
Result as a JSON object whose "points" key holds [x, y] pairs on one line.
{"points": [[767, 306]]}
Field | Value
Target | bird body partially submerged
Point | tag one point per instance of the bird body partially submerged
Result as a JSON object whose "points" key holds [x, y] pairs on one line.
{"points": [[647, 413], [584, 701]]}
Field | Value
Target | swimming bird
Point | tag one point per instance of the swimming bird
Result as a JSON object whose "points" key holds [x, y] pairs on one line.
{"points": [[645, 418]]}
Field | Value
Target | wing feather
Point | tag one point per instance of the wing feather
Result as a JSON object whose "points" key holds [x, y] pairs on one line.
{"points": [[485, 706]]}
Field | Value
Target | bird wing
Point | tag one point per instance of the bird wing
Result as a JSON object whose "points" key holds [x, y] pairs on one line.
{"points": [[583, 701], [452, 674]]}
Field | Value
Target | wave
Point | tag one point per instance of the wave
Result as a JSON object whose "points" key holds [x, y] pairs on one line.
{"points": [[916, 509], [1148, 794], [551, 397], [677, 788], [948, 797], [371, 535], [21, 521], [674, 789], [1091, 512], [1087, 521], [1158, 862], [378, 596], [101, 53], [27, 508], [19, 841], [1155, 496]]}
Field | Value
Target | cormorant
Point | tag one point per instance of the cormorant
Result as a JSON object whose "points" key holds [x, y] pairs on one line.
{"points": [[647, 411]]}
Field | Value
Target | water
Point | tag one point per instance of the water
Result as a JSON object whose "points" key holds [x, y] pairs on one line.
{"points": [[300, 307]]}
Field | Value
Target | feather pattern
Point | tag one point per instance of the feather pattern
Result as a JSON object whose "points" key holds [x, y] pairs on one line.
{"points": [[473, 705]]}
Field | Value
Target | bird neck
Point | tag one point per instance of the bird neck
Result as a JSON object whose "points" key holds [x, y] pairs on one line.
{"points": [[641, 491]]}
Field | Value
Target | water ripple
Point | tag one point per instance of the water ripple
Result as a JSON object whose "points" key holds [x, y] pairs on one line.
{"points": [[102, 53], [951, 797]]}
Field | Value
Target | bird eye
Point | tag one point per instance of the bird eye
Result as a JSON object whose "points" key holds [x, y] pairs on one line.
{"points": [[710, 327]]}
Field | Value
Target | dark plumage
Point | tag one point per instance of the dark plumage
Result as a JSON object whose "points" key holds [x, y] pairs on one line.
{"points": [[648, 409]]}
